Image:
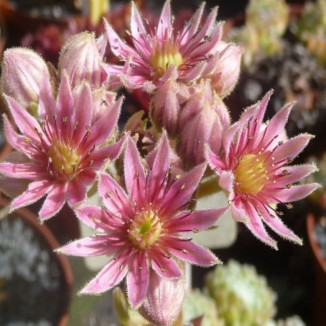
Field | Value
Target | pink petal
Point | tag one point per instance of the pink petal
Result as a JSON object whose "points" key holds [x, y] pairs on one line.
{"points": [[86, 177], [181, 191], [229, 137], [135, 178], [164, 27], [296, 192], [192, 25], [276, 224], [261, 109], [226, 181], [277, 123], [190, 252], [107, 153], [90, 246], [164, 265], [238, 214], [194, 73], [25, 122], [47, 107], [34, 192], [54, 201], [28, 170], [110, 275], [64, 108], [118, 47], [76, 192], [215, 163], [255, 225], [161, 166], [114, 197], [89, 215], [83, 113], [103, 127], [137, 279], [291, 148], [17, 141], [193, 222], [294, 174]]}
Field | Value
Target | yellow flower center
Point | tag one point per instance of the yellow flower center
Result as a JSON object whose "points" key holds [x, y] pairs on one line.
{"points": [[251, 173], [64, 159], [145, 229], [164, 56]]}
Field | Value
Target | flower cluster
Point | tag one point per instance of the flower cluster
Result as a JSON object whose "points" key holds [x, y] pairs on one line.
{"points": [[63, 126]]}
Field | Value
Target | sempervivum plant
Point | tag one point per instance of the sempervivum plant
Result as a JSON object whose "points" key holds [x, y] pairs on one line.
{"points": [[242, 297], [198, 304]]}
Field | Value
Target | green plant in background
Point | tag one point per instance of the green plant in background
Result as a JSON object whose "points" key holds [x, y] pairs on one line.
{"points": [[311, 29], [265, 23], [198, 304], [242, 297]]}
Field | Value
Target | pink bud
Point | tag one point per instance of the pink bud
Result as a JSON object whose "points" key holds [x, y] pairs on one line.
{"points": [[81, 58], [166, 104], [203, 120], [164, 299], [227, 69], [23, 73]]}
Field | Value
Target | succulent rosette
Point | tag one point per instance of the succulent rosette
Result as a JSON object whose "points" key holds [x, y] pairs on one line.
{"points": [[253, 168], [156, 51], [144, 227], [60, 148]]}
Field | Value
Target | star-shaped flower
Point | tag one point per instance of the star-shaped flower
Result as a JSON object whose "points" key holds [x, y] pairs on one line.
{"points": [[253, 168], [142, 227]]}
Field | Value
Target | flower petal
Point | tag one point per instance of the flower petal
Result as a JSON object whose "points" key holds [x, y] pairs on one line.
{"points": [[34, 192], [89, 246], [190, 252], [291, 174], [89, 215], [28, 170], [76, 192], [54, 201], [137, 279], [135, 178], [296, 192], [110, 275], [164, 27], [181, 191], [193, 222]]}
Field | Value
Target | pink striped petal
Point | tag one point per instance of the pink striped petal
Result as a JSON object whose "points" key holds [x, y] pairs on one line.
{"points": [[226, 181], [76, 192], [135, 178], [181, 190], [193, 222], [292, 174], [164, 265], [255, 225], [54, 201], [215, 163], [89, 215], [164, 27], [110, 275], [238, 214], [28, 170], [292, 147], [137, 279], [113, 196], [296, 192], [46, 106], [186, 250], [34, 192], [276, 224], [89, 246], [25, 122], [161, 166], [83, 113]]}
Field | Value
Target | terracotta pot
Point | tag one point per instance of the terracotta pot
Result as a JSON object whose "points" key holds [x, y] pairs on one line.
{"points": [[320, 274], [51, 243]]}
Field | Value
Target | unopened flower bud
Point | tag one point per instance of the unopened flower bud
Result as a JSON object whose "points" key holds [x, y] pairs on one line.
{"points": [[227, 70], [202, 121], [23, 73], [164, 299], [81, 58], [166, 105]]}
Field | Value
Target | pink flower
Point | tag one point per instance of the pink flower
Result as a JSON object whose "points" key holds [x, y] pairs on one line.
{"points": [[63, 149], [254, 169], [156, 51], [142, 228]]}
